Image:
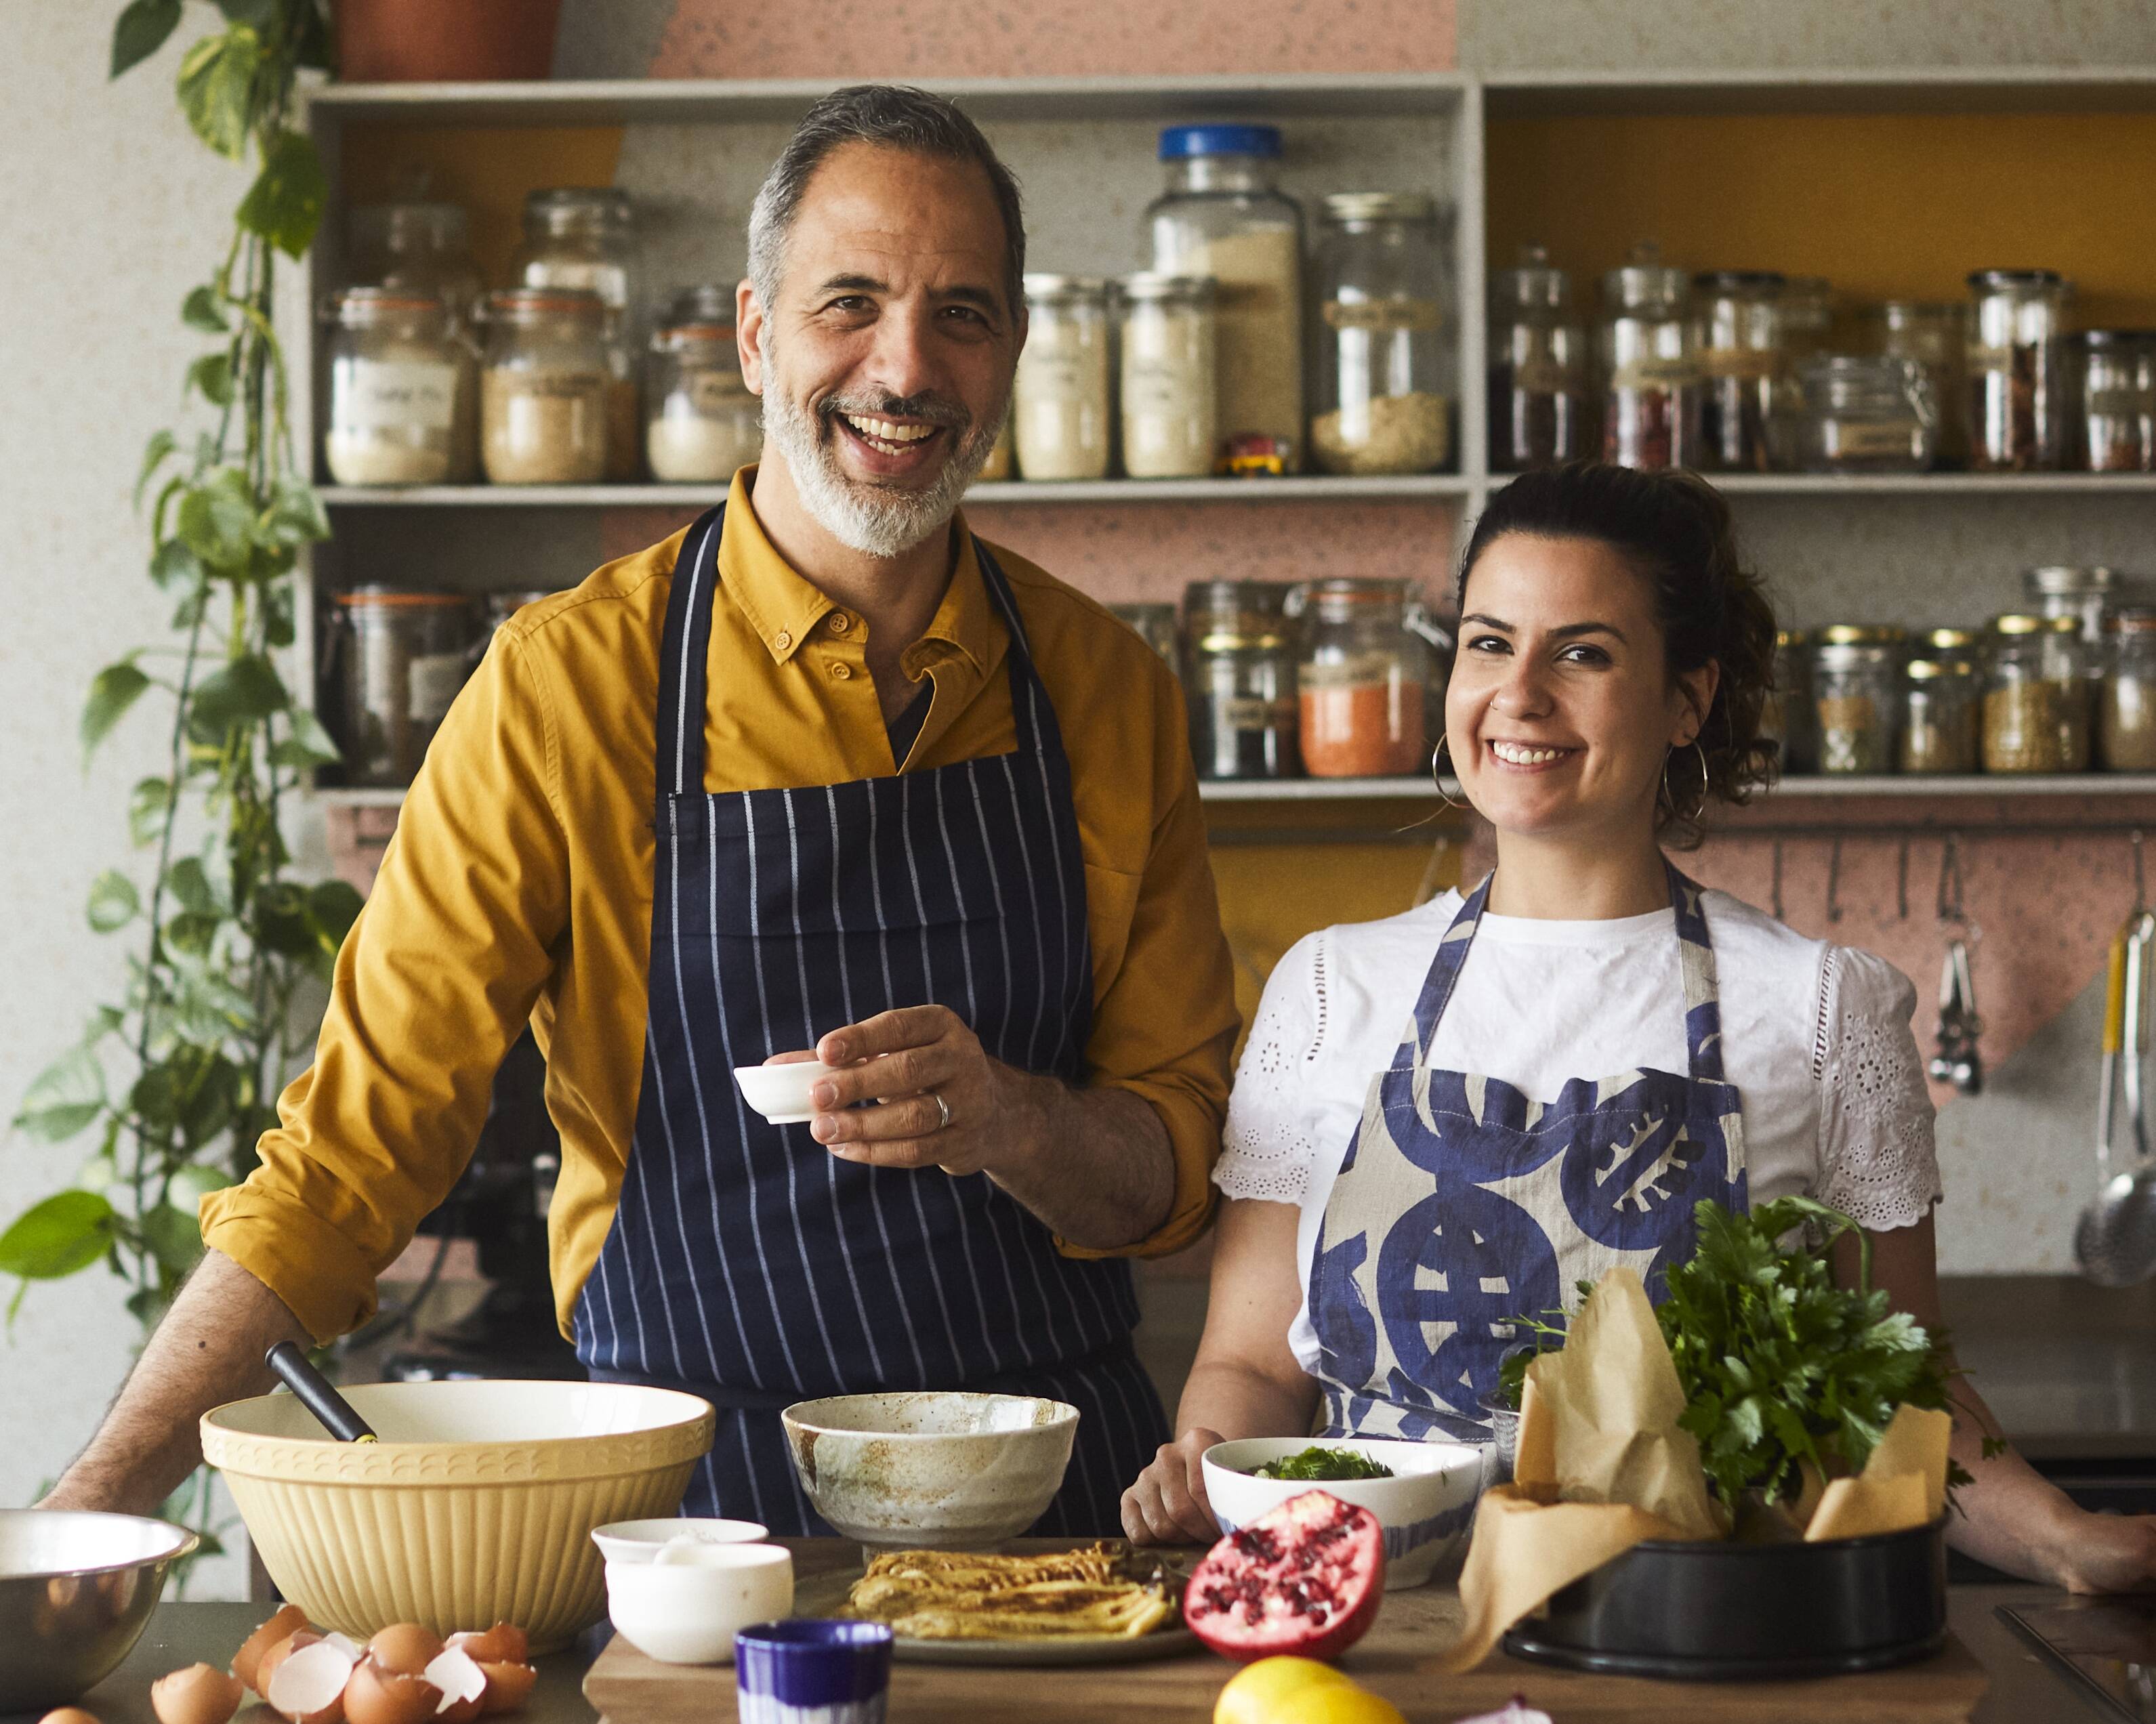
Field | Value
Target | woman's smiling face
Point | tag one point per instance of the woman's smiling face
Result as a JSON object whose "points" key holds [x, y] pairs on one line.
{"points": [[1562, 710]]}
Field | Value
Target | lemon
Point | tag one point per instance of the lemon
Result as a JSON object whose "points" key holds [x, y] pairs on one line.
{"points": [[1271, 1690], [1321, 1703]]}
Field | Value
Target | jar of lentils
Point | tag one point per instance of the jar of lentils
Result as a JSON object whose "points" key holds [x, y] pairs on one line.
{"points": [[1856, 693], [1941, 731], [1239, 680], [1364, 681], [2036, 696], [2127, 714]]}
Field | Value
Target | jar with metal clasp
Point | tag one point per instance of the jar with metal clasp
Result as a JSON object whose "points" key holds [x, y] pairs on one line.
{"points": [[586, 236], [404, 655], [1856, 693], [1365, 679], [543, 394], [400, 410], [1240, 680], [702, 424]]}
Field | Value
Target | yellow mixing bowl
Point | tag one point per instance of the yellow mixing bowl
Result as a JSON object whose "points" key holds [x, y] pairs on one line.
{"points": [[476, 1506]]}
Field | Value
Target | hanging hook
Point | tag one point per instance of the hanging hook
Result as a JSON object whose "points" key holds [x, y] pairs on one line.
{"points": [[1833, 880], [1950, 893], [1776, 906], [2140, 881], [1901, 883]]}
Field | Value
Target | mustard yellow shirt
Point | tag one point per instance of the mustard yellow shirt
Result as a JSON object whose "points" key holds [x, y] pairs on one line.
{"points": [[518, 887]]}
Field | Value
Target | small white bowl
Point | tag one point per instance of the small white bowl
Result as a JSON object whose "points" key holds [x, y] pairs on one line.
{"points": [[640, 1541], [780, 1093], [688, 1609], [1424, 1509]]}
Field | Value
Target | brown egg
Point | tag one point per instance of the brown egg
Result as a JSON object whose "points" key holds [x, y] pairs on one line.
{"points": [[68, 1715], [504, 1643], [247, 1662], [304, 1679], [377, 1695], [407, 1648], [198, 1695]]}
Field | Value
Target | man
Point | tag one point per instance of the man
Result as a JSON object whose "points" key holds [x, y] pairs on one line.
{"points": [[822, 772]]}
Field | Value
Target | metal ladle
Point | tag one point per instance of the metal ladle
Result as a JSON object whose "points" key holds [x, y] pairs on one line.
{"points": [[2115, 1239]]}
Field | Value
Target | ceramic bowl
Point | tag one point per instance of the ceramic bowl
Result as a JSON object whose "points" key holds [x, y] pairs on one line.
{"points": [[476, 1506], [687, 1609], [809, 1671], [931, 1471], [640, 1541], [780, 1093], [1425, 1508]]}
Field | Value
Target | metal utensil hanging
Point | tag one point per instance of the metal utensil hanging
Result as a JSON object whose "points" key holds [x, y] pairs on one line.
{"points": [[2115, 1239], [1957, 1061]]}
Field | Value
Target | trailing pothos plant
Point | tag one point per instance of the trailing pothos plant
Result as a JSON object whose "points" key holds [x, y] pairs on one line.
{"points": [[172, 1084]]}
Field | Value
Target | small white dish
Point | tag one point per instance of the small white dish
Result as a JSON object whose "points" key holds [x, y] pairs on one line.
{"points": [[780, 1093], [641, 1540], [1425, 1509], [688, 1609]]}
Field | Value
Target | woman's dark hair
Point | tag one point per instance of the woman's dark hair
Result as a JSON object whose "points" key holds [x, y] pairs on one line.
{"points": [[1674, 528]]}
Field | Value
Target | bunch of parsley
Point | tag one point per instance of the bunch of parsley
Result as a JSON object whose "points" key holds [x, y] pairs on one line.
{"points": [[1780, 1366]]}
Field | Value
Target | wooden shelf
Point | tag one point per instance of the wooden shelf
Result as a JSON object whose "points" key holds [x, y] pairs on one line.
{"points": [[1314, 487]]}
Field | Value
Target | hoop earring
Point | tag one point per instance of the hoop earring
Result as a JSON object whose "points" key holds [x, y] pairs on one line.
{"points": [[1670, 797], [1437, 777]]}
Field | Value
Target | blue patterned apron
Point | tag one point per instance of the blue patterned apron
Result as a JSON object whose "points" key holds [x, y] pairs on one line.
{"points": [[745, 1262], [1461, 1204]]}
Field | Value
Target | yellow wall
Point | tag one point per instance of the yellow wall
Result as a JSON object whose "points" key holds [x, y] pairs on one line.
{"points": [[1885, 206]]}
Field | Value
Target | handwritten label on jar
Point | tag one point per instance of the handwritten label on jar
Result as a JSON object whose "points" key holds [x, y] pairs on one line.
{"points": [[1384, 316], [435, 678], [374, 395], [716, 394], [1654, 374], [1872, 440]]}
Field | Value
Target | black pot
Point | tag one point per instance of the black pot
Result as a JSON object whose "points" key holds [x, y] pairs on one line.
{"points": [[1723, 1612]]}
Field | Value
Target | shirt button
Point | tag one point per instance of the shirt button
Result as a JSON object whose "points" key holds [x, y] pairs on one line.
{"points": [[840, 622], [782, 640], [841, 672]]}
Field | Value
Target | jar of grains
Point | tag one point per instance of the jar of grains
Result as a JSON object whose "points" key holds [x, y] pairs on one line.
{"points": [[2088, 595], [2128, 713], [1363, 679], [543, 392], [1538, 367], [1743, 364], [1865, 415], [1856, 693], [1651, 375], [1940, 727], [396, 371], [1952, 646], [1385, 383], [1060, 395], [2113, 386], [1170, 383], [1223, 215], [586, 236], [1239, 680], [1936, 338], [1786, 716], [998, 468], [2035, 697], [1155, 625], [405, 655], [2016, 369], [701, 424]]}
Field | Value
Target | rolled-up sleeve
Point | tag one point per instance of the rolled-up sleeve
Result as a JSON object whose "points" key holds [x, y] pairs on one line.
{"points": [[436, 979]]}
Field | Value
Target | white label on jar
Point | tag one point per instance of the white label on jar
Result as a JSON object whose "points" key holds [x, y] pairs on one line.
{"points": [[435, 678], [374, 395], [1384, 316], [716, 394]]}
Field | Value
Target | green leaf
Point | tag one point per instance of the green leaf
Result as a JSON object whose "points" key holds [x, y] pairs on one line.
{"points": [[308, 746], [189, 881], [174, 1239], [113, 903], [217, 520], [67, 1233], [175, 567], [202, 311], [154, 456], [142, 31], [285, 203], [260, 14], [193, 933], [64, 1098], [211, 374], [217, 83], [280, 621], [112, 691], [335, 906], [244, 692], [295, 516], [315, 48]]}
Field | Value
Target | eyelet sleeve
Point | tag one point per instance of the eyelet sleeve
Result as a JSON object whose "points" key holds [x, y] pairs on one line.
{"points": [[1268, 1143], [1879, 1164]]}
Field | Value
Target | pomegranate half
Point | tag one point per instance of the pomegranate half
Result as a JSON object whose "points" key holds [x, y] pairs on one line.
{"points": [[1305, 1579]]}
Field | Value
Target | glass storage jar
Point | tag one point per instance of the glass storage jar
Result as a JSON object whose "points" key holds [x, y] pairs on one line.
{"points": [[1649, 374], [1952, 646], [1223, 215], [398, 378], [405, 655], [2113, 386], [1935, 337], [701, 424], [2128, 710], [2088, 595], [1000, 465], [1170, 381], [501, 606], [1538, 367], [1060, 397], [421, 247], [586, 236], [1941, 729], [1807, 316], [1856, 695], [1385, 385], [1865, 415], [1155, 625], [2036, 696], [1363, 679], [2016, 372], [1238, 680], [543, 393], [1742, 367], [1786, 716]]}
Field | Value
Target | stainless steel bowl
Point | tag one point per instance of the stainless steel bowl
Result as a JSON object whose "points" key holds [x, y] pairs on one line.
{"points": [[75, 1592]]}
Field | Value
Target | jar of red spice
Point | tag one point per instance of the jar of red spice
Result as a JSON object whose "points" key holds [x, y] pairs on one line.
{"points": [[1365, 679]]}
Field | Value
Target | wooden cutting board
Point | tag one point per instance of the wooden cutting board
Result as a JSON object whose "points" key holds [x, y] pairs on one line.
{"points": [[1397, 1660]]}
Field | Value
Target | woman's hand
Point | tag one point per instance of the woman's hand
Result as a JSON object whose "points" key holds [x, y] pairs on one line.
{"points": [[1167, 1504], [2106, 1553]]}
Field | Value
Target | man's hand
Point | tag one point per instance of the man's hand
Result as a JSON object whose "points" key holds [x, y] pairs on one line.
{"points": [[904, 1063]]}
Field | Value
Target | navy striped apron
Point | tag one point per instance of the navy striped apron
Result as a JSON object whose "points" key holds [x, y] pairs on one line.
{"points": [[746, 1263]]}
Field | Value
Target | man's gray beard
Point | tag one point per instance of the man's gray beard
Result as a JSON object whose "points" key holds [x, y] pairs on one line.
{"points": [[877, 520]]}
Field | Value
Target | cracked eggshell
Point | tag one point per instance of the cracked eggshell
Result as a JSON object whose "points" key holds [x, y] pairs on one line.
{"points": [[504, 1643], [68, 1715], [377, 1695], [508, 1686], [463, 1684], [307, 1684], [200, 1694], [407, 1648], [247, 1662]]}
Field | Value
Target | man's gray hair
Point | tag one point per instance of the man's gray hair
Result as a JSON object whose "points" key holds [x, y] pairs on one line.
{"points": [[902, 118]]}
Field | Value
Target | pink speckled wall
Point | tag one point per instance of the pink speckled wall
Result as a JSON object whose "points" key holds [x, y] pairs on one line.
{"points": [[1002, 38]]}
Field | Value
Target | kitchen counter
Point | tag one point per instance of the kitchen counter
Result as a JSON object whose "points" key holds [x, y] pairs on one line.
{"points": [[2024, 1691]]}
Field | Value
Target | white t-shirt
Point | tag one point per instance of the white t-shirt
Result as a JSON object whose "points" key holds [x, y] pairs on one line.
{"points": [[1816, 1039]]}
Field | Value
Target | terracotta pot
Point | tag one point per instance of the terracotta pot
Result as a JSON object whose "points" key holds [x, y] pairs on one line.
{"points": [[445, 41]]}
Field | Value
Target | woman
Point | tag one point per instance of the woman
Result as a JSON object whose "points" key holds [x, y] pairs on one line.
{"points": [[1393, 1200]]}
